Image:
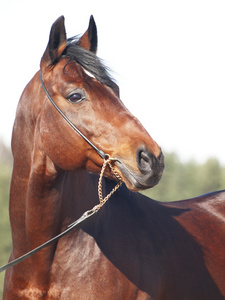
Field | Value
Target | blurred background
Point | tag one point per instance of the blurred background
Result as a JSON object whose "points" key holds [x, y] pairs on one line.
{"points": [[168, 58]]}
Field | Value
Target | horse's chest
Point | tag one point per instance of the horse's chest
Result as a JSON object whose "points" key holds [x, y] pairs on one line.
{"points": [[85, 273]]}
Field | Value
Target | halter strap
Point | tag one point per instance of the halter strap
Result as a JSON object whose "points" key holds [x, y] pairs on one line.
{"points": [[100, 152]]}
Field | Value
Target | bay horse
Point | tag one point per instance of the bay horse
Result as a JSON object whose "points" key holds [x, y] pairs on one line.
{"points": [[134, 247]]}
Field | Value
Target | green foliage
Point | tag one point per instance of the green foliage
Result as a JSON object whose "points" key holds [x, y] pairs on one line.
{"points": [[5, 235], [179, 181]]}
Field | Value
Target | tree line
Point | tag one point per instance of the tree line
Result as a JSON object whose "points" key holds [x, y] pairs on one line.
{"points": [[5, 233]]}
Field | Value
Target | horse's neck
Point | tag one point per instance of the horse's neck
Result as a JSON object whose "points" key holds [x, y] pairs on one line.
{"points": [[41, 195], [30, 198], [46, 199]]}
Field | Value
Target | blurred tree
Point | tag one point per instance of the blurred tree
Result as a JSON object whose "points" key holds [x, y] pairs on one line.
{"points": [[211, 176], [5, 234]]}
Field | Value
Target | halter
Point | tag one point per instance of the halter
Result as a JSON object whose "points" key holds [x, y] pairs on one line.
{"points": [[100, 152], [102, 200]]}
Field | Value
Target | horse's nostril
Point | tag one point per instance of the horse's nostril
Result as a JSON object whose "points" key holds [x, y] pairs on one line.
{"points": [[144, 160], [144, 156]]}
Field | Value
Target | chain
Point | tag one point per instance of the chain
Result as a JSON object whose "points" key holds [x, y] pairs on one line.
{"points": [[102, 200]]}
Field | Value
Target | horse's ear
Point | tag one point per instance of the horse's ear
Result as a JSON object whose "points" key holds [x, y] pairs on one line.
{"points": [[89, 39], [57, 42]]}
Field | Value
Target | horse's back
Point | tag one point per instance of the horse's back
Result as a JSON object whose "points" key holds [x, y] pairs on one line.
{"points": [[203, 220], [178, 246]]}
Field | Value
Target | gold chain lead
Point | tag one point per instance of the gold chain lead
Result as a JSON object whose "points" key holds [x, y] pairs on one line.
{"points": [[102, 200]]}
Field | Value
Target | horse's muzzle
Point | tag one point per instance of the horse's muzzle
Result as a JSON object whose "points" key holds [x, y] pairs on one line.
{"points": [[150, 169]]}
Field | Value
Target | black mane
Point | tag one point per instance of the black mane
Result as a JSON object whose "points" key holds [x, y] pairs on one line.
{"points": [[90, 62]]}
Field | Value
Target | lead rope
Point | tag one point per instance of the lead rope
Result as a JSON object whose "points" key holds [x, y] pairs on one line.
{"points": [[85, 215]]}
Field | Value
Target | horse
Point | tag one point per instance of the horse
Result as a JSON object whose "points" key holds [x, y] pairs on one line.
{"points": [[134, 247]]}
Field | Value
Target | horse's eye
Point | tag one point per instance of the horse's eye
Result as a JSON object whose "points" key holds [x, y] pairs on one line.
{"points": [[76, 97]]}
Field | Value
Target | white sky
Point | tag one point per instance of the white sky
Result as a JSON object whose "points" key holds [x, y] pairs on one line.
{"points": [[168, 58]]}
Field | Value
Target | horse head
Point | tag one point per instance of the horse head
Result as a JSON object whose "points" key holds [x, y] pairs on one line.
{"points": [[81, 86]]}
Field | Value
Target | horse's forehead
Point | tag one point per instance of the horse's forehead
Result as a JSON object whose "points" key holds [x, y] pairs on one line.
{"points": [[67, 74], [88, 73], [70, 70]]}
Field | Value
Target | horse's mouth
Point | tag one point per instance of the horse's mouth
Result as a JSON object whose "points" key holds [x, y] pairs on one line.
{"points": [[137, 181]]}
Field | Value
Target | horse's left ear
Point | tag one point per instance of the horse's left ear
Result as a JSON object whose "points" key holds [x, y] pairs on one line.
{"points": [[89, 39], [56, 44]]}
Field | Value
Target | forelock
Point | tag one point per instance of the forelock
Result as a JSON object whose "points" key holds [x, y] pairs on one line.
{"points": [[90, 62]]}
